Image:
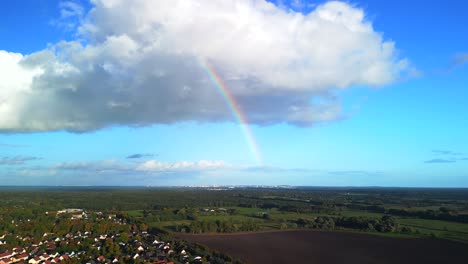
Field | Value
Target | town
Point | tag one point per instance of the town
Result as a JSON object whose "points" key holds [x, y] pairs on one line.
{"points": [[79, 236]]}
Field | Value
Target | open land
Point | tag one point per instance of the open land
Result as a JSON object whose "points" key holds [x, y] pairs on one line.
{"points": [[332, 247], [233, 224]]}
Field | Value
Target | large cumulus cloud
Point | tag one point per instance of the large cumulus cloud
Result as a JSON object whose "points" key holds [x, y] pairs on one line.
{"points": [[144, 62]]}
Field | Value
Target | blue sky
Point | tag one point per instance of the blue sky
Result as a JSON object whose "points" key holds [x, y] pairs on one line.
{"points": [[404, 129]]}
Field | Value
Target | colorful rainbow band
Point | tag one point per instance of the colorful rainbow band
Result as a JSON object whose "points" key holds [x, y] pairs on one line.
{"points": [[235, 109]]}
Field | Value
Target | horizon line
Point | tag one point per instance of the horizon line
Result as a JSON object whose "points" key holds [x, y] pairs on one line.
{"points": [[281, 186]]}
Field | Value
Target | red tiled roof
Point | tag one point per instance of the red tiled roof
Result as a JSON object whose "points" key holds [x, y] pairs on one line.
{"points": [[6, 260], [5, 254], [24, 255]]}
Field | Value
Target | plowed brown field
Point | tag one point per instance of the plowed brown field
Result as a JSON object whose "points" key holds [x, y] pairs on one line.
{"points": [[332, 247]]}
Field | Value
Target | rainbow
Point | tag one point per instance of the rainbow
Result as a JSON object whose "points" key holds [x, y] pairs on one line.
{"points": [[235, 109]]}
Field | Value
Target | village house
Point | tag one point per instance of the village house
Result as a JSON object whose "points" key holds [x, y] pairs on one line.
{"points": [[7, 254], [141, 245], [20, 257]]}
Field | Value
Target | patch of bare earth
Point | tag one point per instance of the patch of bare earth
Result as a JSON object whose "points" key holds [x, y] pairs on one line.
{"points": [[332, 247]]}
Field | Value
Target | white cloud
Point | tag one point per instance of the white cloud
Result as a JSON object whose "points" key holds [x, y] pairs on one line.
{"points": [[142, 63], [104, 166], [128, 168], [71, 9], [17, 160], [71, 15], [154, 172], [180, 166], [124, 172], [15, 85]]}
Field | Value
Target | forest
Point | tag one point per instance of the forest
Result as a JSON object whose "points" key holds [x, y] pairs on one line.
{"points": [[119, 225], [438, 213]]}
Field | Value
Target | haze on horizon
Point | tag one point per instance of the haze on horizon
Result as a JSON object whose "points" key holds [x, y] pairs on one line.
{"points": [[233, 92]]}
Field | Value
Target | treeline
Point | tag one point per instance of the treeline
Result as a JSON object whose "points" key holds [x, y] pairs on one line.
{"points": [[218, 226], [160, 203], [168, 214], [441, 214], [386, 224]]}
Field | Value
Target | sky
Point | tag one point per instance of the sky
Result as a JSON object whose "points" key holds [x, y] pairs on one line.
{"points": [[234, 92]]}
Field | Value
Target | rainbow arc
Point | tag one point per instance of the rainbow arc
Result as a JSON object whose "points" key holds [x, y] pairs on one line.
{"points": [[235, 109]]}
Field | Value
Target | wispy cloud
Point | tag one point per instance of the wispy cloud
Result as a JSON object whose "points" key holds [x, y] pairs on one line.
{"points": [[273, 169], [440, 161], [13, 145], [355, 173], [457, 61], [446, 156], [118, 167], [156, 167], [140, 156], [157, 172], [105, 166], [71, 15], [17, 160], [446, 152], [267, 169], [202, 165]]}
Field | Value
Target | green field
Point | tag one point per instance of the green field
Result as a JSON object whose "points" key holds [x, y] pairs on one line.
{"points": [[440, 213], [360, 213], [438, 228], [280, 220]]}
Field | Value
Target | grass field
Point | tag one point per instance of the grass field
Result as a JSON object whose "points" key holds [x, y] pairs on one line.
{"points": [[135, 213], [441, 229], [360, 213], [277, 219]]}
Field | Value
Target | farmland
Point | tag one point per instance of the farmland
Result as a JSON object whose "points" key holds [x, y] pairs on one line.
{"points": [[332, 247], [361, 225]]}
